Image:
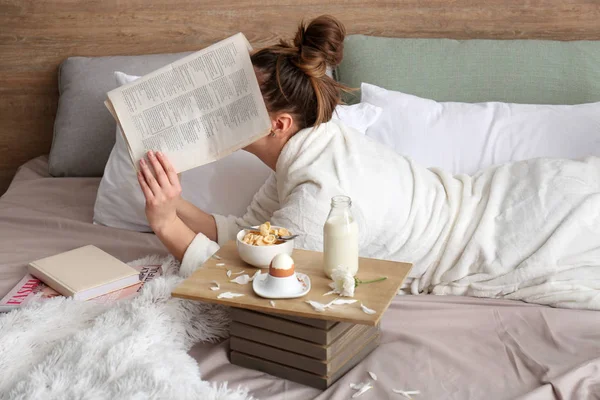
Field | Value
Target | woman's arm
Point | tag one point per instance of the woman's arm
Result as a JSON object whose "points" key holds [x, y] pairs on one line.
{"points": [[176, 236], [162, 193], [196, 219], [221, 229], [177, 222]]}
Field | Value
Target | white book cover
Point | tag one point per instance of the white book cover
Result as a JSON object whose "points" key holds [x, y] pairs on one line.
{"points": [[84, 273]]}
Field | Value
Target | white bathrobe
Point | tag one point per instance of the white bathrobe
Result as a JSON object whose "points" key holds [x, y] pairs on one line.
{"points": [[526, 230]]}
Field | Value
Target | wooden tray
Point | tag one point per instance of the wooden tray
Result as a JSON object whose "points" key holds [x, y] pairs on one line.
{"points": [[376, 296]]}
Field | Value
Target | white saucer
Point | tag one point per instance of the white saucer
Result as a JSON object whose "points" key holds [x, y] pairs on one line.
{"points": [[271, 287]]}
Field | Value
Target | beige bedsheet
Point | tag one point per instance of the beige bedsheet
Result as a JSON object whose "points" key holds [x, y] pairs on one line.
{"points": [[446, 347]]}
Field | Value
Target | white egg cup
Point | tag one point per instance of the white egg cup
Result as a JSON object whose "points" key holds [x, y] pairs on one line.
{"points": [[289, 287]]}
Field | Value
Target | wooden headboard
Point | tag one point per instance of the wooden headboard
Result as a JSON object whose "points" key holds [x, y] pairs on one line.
{"points": [[36, 35]]}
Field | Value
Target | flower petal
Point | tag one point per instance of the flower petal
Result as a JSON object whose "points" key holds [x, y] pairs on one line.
{"points": [[216, 287], [330, 292], [338, 302], [257, 273], [237, 273], [367, 310], [348, 286], [406, 393], [372, 375], [217, 257], [229, 273], [242, 279], [317, 306], [220, 264], [272, 303], [229, 295], [362, 390], [357, 386]]}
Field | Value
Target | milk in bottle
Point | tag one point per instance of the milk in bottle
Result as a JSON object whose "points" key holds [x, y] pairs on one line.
{"points": [[340, 237]]}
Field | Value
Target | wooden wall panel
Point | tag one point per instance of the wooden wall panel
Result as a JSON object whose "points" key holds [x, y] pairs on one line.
{"points": [[36, 35]]}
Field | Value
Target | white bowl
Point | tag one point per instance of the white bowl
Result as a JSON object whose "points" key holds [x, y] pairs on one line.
{"points": [[261, 256]]}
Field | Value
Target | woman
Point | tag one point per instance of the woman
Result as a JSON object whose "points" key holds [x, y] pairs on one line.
{"points": [[527, 230]]}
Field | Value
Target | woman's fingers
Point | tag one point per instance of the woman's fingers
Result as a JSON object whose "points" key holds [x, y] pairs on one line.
{"points": [[168, 167], [149, 178], [145, 188], [161, 175]]}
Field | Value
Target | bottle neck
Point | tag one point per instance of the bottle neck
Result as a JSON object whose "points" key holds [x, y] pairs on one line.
{"points": [[341, 202], [340, 207]]}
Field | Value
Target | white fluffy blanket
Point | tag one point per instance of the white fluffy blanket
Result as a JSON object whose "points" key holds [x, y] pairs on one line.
{"points": [[134, 349]]}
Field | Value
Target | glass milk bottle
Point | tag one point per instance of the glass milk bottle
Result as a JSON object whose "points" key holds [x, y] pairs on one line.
{"points": [[340, 237]]}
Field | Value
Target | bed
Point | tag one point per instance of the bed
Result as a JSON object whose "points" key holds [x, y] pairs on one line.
{"points": [[446, 347]]}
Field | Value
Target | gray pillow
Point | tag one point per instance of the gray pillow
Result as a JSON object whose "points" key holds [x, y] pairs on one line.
{"points": [[84, 130]]}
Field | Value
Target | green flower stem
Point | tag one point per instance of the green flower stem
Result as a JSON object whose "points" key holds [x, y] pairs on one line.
{"points": [[371, 281]]}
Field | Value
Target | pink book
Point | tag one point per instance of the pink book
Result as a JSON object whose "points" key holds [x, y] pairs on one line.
{"points": [[30, 287]]}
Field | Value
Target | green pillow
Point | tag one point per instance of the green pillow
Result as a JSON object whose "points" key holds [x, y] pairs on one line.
{"points": [[515, 71]]}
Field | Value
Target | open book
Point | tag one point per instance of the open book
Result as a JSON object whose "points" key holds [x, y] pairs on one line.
{"points": [[196, 110]]}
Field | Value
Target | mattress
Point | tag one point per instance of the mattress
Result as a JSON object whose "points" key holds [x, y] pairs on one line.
{"points": [[445, 347]]}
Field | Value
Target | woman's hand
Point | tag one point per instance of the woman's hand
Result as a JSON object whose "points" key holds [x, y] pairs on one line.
{"points": [[162, 191]]}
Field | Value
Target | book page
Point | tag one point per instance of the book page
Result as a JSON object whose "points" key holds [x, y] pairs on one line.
{"points": [[195, 110], [147, 273]]}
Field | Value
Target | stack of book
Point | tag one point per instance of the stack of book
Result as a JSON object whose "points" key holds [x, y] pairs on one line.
{"points": [[309, 351], [85, 273]]}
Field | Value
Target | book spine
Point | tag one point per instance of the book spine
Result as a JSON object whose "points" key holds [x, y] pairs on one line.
{"points": [[50, 281]]}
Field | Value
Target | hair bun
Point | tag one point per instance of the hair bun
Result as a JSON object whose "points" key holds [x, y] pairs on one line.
{"points": [[320, 44]]}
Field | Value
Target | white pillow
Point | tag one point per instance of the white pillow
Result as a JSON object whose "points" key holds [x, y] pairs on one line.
{"points": [[224, 187], [465, 137]]}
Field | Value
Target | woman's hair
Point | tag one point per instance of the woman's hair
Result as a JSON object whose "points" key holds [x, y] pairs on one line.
{"points": [[293, 76]]}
